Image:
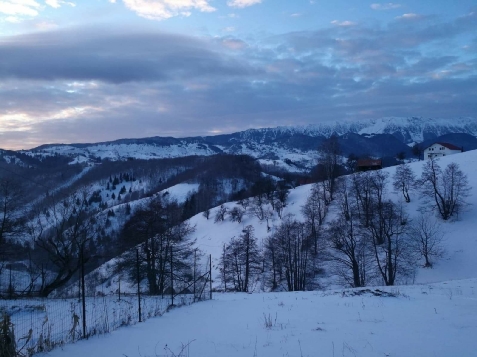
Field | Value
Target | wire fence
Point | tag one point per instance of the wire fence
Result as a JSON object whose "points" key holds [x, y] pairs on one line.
{"points": [[32, 325]]}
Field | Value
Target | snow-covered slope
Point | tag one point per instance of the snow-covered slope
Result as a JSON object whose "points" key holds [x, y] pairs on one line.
{"points": [[414, 129], [460, 239]]}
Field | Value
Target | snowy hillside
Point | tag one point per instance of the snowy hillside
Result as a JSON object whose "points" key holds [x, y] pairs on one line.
{"points": [[460, 241]]}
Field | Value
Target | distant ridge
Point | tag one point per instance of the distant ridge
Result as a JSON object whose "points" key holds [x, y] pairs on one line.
{"points": [[408, 130], [291, 147]]}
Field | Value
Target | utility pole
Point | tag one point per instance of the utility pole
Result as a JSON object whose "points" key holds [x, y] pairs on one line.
{"points": [[224, 273], [138, 281], [195, 258], [83, 291], [172, 281], [210, 275]]}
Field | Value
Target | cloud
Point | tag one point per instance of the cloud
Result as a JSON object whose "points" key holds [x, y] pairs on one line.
{"points": [[45, 25], [243, 3], [29, 8], [385, 6], [112, 57], [165, 9], [409, 17], [13, 19], [234, 43], [19, 10], [138, 84], [58, 3], [343, 23]]}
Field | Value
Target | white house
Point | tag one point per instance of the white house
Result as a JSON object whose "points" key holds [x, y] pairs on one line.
{"points": [[441, 149]]}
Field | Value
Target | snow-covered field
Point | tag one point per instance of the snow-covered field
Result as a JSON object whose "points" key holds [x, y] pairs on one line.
{"points": [[435, 317], [422, 320]]}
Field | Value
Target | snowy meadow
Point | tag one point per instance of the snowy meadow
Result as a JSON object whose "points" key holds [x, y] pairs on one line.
{"points": [[422, 320]]}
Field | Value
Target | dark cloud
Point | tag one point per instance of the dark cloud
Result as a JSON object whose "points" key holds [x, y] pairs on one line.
{"points": [[112, 57]]}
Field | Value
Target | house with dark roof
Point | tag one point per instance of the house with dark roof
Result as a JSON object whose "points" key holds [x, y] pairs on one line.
{"points": [[441, 149], [369, 164]]}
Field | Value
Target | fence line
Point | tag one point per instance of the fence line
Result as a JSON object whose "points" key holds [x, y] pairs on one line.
{"points": [[32, 325]]}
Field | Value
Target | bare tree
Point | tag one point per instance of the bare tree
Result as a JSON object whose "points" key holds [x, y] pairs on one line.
{"points": [[220, 214], [281, 195], [257, 208], [291, 251], [447, 189], [329, 153], [314, 212], [273, 263], [11, 217], [368, 190], [63, 232], [245, 202], [345, 202], [404, 180], [279, 209], [241, 260], [390, 243], [236, 214], [350, 250], [426, 238]]}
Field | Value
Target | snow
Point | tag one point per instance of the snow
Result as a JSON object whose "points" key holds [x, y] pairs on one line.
{"points": [[425, 320], [181, 191], [80, 159]]}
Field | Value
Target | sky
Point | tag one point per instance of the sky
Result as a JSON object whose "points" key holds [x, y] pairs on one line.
{"points": [[97, 70]]}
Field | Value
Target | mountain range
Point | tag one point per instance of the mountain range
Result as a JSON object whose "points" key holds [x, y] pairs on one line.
{"points": [[292, 147]]}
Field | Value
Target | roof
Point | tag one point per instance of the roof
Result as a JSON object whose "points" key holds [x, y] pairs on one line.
{"points": [[449, 146], [369, 162]]}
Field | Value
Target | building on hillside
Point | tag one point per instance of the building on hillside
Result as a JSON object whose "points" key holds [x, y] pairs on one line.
{"points": [[369, 164], [441, 149]]}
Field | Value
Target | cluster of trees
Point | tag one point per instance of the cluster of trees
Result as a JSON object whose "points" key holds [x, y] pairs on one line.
{"points": [[166, 256], [288, 259], [371, 240], [67, 237], [270, 196]]}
